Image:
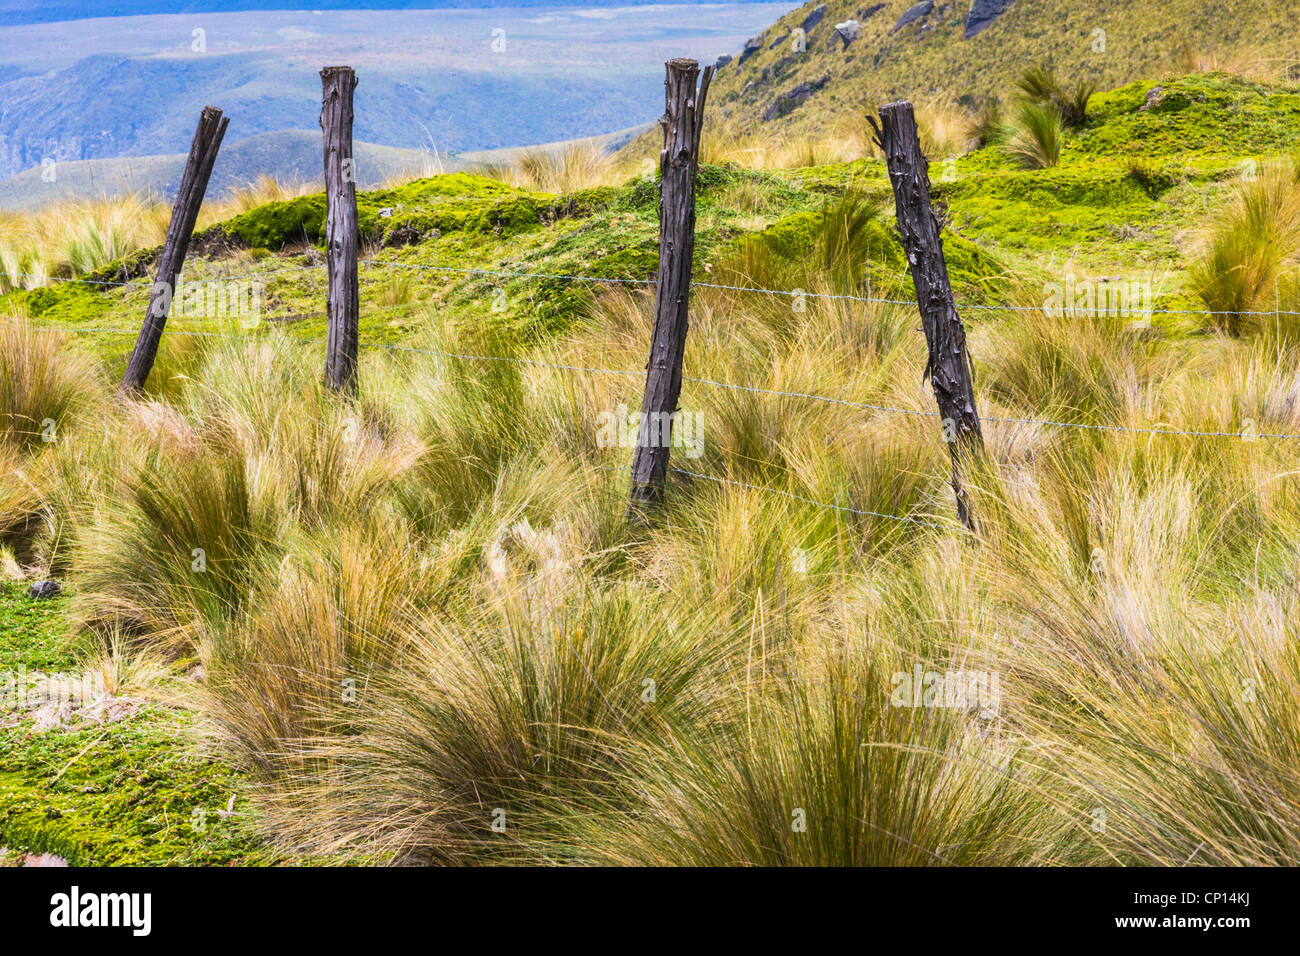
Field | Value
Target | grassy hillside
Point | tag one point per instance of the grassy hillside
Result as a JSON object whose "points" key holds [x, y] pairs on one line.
{"points": [[931, 57], [419, 626]]}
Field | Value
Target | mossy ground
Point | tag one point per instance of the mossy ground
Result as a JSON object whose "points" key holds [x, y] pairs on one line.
{"points": [[35, 633], [134, 791], [140, 790]]}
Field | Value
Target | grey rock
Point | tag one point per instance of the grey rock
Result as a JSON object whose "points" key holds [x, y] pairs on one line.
{"points": [[44, 589], [779, 40], [1154, 95], [790, 99], [912, 14], [814, 18], [848, 31], [723, 61], [751, 47], [984, 12]]}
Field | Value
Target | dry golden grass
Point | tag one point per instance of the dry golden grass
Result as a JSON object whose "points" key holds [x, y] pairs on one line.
{"points": [[581, 164], [73, 237], [431, 634]]}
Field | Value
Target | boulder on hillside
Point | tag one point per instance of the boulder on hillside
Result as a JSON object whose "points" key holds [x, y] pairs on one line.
{"points": [[912, 14], [848, 31], [984, 12], [722, 61], [787, 101], [751, 47], [813, 18]]}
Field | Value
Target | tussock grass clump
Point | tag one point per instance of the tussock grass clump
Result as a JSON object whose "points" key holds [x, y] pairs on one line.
{"points": [[43, 384], [1039, 84], [77, 236], [46, 389], [827, 773], [830, 249], [1041, 113], [1251, 249], [522, 713], [1034, 135], [260, 191], [581, 164], [985, 125]]}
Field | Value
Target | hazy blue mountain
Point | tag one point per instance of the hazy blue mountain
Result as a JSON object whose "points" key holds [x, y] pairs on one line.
{"points": [[454, 80], [108, 106], [290, 156], [49, 11]]}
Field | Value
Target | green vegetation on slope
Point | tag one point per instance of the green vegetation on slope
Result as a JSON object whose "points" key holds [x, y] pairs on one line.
{"points": [[1109, 42], [1126, 198]]}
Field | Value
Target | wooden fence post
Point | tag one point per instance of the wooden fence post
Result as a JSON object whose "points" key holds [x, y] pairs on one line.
{"points": [[949, 365], [189, 197], [343, 304], [682, 123]]}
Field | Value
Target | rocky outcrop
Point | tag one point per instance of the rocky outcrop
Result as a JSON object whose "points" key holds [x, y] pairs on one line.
{"points": [[813, 18], [723, 61], [984, 12], [912, 14], [751, 47], [791, 99], [1154, 95], [848, 31]]}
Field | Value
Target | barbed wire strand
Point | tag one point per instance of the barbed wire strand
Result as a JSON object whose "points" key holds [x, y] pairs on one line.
{"points": [[756, 290], [733, 386]]}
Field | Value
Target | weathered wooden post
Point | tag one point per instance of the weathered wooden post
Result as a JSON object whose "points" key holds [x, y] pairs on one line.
{"points": [[189, 197], [949, 366], [682, 123], [343, 304]]}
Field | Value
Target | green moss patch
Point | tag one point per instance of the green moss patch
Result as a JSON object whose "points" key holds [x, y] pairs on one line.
{"points": [[133, 792], [33, 633], [1201, 112]]}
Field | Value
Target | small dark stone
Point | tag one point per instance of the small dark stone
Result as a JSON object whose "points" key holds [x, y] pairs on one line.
{"points": [[44, 589], [403, 235]]}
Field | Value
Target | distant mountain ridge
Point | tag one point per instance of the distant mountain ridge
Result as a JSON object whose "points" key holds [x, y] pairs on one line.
{"points": [[15, 12], [288, 156], [133, 87]]}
